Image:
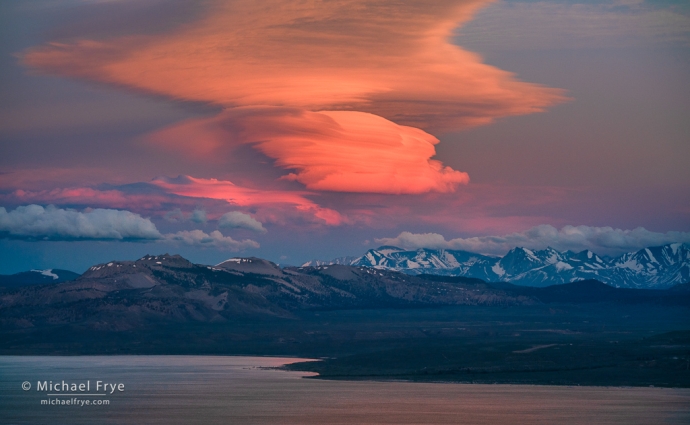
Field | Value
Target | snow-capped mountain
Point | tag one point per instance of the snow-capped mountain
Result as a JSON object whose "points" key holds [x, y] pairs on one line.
{"points": [[655, 267], [442, 262]]}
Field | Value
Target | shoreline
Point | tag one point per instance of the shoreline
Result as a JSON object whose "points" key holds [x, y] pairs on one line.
{"points": [[311, 375]]}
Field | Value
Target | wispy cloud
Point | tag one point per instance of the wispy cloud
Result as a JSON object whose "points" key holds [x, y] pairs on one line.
{"points": [[242, 196], [187, 199], [604, 240], [358, 81]]}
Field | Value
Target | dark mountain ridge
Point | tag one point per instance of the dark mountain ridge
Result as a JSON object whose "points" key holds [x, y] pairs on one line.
{"points": [[593, 291], [36, 277], [123, 294], [168, 288]]}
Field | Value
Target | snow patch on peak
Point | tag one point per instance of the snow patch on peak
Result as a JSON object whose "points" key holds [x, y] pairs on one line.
{"points": [[230, 260], [632, 265], [674, 247], [651, 256], [498, 270], [450, 260], [552, 259], [530, 254], [48, 272], [560, 266], [412, 264]]}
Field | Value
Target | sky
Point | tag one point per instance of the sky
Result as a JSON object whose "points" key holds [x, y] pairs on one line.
{"points": [[300, 130]]}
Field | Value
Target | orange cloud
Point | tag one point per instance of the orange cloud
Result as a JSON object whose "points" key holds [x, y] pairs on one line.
{"points": [[390, 59], [242, 196], [343, 151]]}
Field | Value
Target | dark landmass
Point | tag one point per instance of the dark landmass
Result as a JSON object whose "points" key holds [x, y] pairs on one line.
{"points": [[681, 287], [593, 291], [363, 323], [124, 295], [36, 277]]}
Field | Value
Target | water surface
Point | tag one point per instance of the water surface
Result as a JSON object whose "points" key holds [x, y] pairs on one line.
{"points": [[244, 390]]}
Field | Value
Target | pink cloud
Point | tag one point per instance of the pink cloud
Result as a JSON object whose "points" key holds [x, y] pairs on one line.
{"points": [[89, 196], [245, 197], [349, 151], [475, 209], [33, 178], [343, 151], [273, 206], [347, 80], [151, 203], [75, 194], [394, 60]]}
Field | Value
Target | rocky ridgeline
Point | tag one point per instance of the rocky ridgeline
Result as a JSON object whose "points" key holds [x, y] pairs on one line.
{"points": [[143, 265], [124, 294]]}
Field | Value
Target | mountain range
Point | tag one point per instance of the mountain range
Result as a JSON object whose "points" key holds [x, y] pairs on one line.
{"points": [[121, 295], [657, 267], [363, 322]]}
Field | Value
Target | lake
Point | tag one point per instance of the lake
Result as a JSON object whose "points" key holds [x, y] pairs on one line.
{"points": [[245, 390]]}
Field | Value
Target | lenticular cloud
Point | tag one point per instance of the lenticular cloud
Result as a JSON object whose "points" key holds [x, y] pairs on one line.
{"points": [[337, 92], [343, 151], [349, 151]]}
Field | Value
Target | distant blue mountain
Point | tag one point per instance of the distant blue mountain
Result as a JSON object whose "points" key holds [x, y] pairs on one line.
{"points": [[658, 267]]}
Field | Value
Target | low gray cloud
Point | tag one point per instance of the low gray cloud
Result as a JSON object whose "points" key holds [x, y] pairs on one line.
{"points": [[198, 216], [214, 239], [37, 223], [602, 240], [236, 219], [34, 222], [177, 216]]}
